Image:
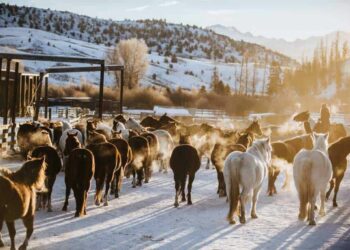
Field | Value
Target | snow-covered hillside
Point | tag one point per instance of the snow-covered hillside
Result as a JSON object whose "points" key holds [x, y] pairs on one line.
{"points": [[297, 49], [186, 73], [161, 37]]}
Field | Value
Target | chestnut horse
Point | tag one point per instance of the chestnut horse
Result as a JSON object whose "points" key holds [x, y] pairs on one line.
{"points": [[17, 199]]}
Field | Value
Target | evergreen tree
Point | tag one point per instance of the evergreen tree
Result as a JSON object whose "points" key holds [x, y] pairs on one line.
{"points": [[274, 82]]}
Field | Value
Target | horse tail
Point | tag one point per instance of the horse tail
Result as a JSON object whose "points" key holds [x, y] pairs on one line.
{"points": [[307, 188], [233, 186]]}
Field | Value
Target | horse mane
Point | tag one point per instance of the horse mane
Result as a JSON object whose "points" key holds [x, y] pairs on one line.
{"points": [[33, 176]]}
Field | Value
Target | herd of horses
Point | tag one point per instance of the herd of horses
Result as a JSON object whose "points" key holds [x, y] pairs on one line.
{"points": [[126, 147]]}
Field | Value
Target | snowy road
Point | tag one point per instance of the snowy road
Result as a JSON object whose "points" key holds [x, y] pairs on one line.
{"points": [[144, 218]]}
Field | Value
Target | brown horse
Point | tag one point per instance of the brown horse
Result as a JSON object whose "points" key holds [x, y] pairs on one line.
{"points": [[53, 167], [286, 150], [126, 158], [154, 150], [80, 168], [151, 122], [338, 152], [184, 161], [141, 158], [17, 199], [221, 151]]}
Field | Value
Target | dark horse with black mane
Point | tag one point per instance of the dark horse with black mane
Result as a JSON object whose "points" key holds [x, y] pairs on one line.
{"points": [[79, 170], [53, 167], [17, 199], [184, 161]]}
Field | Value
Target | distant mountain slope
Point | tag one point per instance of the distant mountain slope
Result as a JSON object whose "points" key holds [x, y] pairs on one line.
{"points": [[161, 37], [297, 49]]}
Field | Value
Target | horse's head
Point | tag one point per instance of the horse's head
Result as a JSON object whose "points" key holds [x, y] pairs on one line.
{"points": [[302, 117], [32, 172], [255, 128], [72, 142], [120, 118], [245, 139], [184, 139], [320, 142], [95, 137]]}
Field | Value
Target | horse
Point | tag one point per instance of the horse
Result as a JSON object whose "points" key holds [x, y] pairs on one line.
{"points": [[53, 167], [107, 162], [118, 126], [120, 118], [220, 153], [166, 145], [248, 170], [57, 128], [30, 136], [150, 121], [66, 133], [184, 161], [312, 170], [17, 198], [126, 158], [154, 151], [338, 152], [79, 170], [131, 123], [95, 137], [165, 119], [141, 158], [285, 150]]}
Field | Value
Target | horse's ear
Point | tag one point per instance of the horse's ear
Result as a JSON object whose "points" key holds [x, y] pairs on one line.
{"points": [[75, 134], [268, 139], [29, 157]]}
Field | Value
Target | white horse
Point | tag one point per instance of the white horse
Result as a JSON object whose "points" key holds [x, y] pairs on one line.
{"points": [[312, 172], [166, 146], [131, 123], [248, 170]]}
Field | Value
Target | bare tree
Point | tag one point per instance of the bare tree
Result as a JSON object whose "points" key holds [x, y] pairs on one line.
{"points": [[264, 77], [132, 54], [254, 80]]}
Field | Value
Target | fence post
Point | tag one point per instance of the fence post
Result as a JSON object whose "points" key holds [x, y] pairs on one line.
{"points": [[50, 114], [102, 75], [14, 104], [8, 67], [66, 113], [38, 96], [46, 93]]}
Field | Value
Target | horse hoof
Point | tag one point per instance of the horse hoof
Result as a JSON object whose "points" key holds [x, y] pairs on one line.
{"points": [[22, 247], [1, 243], [49, 209], [105, 204], [64, 209], [97, 203], [322, 213], [189, 202], [335, 204], [183, 199], [242, 220], [254, 216], [176, 204], [116, 196], [312, 223], [232, 222]]}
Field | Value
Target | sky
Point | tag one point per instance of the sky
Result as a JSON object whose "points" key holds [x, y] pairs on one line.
{"points": [[287, 19]]}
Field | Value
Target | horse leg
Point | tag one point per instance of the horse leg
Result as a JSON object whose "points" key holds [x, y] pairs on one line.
{"points": [[312, 221], [256, 192], [1, 224], [134, 179], [51, 182], [286, 184], [28, 223], [183, 187], [119, 182], [323, 198], [243, 198], [77, 201], [331, 186], [67, 198], [12, 232], [108, 183], [208, 163], [99, 187], [336, 189], [189, 187], [85, 201], [177, 191]]}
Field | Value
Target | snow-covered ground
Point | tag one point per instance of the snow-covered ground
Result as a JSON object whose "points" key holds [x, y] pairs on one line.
{"points": [[144, 218]]}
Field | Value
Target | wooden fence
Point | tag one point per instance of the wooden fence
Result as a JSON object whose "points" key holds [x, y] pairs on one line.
{"points": [[8, 136]]}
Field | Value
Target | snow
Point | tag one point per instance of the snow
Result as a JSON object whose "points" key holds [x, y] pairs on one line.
{"points": [[144, 218], [329, 92], [171, 111]]}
